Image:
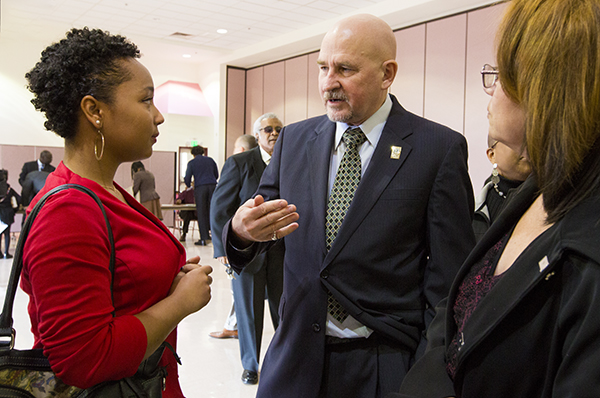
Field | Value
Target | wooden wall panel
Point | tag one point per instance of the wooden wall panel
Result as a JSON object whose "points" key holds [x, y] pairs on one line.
{"points": [[445, 71], [236, 99], [410, 55], [274, 89], [296, 89], [254, 96], [481, 30], [315, 103]]}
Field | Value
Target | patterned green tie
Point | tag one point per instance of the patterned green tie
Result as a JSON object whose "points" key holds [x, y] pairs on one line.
{"points": [[342, 193]]}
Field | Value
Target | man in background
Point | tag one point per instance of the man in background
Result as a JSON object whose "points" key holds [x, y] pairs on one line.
{"points": [[230, 329], [34, 182], [264, 275], [204, 171], [42, 164]]}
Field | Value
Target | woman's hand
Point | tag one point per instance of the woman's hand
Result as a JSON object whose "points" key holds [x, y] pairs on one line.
{"points": [[190, 291], [191, 285]]}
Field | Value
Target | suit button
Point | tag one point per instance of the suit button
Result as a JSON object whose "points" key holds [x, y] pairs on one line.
{"points": [[324, 274], [316, 327]]}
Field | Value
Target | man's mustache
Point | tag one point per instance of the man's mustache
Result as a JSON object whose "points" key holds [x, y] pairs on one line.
{"points": [[334, 95]]}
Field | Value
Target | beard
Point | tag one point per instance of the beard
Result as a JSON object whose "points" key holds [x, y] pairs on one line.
{"points": [[337, 115]]}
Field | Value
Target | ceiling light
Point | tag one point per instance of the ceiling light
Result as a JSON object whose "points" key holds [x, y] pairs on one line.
{"points": [[222, 31], [187, 56]]}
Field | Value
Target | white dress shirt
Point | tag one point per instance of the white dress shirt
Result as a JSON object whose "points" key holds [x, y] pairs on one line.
{"points": [[265, 156]]}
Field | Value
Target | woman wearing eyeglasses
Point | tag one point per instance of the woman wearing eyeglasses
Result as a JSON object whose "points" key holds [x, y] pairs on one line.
{"points": [[509, 170], [521, 319]]}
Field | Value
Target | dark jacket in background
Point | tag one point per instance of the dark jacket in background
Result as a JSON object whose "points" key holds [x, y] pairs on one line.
{"points": [[203, 169], [7, 211], [263, 277], [34, 182], [28, 167]]}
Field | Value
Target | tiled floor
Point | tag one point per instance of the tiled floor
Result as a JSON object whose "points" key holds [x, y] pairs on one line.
{"points": [[211, 368]]}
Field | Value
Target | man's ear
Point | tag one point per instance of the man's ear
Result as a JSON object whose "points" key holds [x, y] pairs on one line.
{"points": [[390, 68], [92, 111]]}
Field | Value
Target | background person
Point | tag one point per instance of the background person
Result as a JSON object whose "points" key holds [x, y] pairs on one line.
{"points": [[509, 171], [263, 277], [242, 144], [145, 184], [522, 315], [402, 239], [99, 98], [186, 197], [205, 173], [34, 182], [9, 204], [42, 164]]}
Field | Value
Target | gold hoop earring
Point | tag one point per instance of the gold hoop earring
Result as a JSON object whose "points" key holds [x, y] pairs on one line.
{"points": [[99, 157]]}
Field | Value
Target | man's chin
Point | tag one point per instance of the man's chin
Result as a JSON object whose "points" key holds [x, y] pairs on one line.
{"points": [[338, 116]]}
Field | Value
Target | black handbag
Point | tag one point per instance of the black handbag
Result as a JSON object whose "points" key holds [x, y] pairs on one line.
{"points": [[27, 373]]}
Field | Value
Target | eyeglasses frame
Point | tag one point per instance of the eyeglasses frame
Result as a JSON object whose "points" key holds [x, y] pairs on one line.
{"points": [[489, 70], [274, 129]]}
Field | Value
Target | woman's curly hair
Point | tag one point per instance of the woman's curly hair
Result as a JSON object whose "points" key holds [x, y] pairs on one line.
{"points": [[86, 62]]}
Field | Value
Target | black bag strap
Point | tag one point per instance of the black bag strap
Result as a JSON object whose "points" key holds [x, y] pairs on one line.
{"points": [[7, 333]]}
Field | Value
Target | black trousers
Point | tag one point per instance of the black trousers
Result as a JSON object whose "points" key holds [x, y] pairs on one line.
{"points": [[364, 368], [187, 216], [203, 195]]}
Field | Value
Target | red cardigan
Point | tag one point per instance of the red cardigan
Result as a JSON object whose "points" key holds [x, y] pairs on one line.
{"points": [[66, 274]]}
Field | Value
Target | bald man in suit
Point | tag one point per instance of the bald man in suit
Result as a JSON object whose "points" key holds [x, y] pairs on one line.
{"points": [[357, 297]]}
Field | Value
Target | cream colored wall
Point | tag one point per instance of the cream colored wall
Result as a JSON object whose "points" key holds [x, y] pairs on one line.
{"points": [[21, 126]]}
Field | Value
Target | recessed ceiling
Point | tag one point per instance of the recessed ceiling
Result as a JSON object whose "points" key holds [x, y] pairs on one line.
{"points": [[172, 28], [190, 24]]}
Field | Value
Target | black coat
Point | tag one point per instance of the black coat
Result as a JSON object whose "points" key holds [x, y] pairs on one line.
{"points": [[7, 211], [28, 167], [537, 332], [239, 180]]}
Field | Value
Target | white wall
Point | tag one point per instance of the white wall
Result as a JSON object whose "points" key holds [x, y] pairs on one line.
{"points": [[21, 124]]}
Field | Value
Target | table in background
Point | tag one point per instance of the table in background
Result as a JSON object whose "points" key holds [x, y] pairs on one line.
{"points": [[175, 208]]}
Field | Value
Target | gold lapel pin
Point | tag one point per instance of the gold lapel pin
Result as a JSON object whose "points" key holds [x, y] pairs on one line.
{"points": [[396, 151]]}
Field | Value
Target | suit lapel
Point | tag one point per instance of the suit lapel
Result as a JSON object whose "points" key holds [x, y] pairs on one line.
{"points": [[381, 170], [319, 149], [257, 162]]}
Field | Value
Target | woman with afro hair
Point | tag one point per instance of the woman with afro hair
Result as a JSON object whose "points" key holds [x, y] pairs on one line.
{"points": [[99, 98]]}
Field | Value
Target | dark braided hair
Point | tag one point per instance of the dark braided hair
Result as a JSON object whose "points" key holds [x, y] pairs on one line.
{"points": [[86, 62]]}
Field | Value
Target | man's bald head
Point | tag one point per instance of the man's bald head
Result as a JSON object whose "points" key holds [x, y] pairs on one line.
{"points": [[373, 35], [357, 67]]}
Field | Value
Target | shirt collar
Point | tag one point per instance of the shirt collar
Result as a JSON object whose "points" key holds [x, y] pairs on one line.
{"points": [[264, 155], [372, 127]]}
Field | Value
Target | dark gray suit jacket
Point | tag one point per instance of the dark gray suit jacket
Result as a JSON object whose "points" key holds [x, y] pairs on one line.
{"points": [[28, 167], [239, 180]]}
